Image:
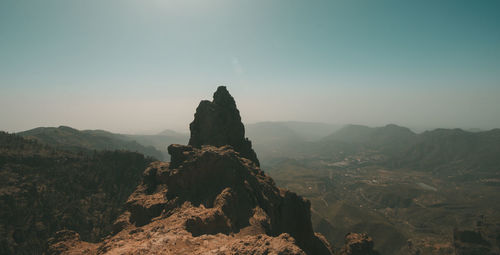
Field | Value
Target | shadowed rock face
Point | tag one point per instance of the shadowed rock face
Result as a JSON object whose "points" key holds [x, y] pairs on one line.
{"points": [[218, 123]]}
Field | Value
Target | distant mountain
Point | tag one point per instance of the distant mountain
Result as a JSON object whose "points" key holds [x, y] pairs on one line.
{"points": [[270, 139], [273, 139], [306, 131], [286, 138], [75, 140], [161, 141], [388, 139], [403, 148], [454, 148], [172, 133]]}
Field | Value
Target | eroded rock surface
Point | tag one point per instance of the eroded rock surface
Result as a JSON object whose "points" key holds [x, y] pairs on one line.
{"points": [[358, 244], [218, 123], [212, 198], [208, 201]]}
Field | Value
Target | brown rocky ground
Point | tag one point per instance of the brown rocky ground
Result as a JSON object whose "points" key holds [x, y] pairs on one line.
{"points": [[207, 201], [212, 198]]}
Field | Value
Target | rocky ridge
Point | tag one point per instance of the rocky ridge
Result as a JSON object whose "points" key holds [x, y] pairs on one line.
{"points": [[212, 198], [207, 201]]}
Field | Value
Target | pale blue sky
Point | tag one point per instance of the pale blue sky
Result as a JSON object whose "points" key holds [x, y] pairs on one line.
{"points": [[136, 66]]}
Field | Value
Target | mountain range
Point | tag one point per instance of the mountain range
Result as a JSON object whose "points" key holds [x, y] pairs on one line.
{"points": [[388, 181], [395, 145]]}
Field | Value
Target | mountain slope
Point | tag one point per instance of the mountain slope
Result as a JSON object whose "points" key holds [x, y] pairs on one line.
{"points": [[72, 139], [160, 141], [45, 189], [399, 147], [454, 148], [388, 139]]}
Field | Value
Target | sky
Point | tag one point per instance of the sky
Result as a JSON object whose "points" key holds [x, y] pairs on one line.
{"points": [[139, 66]]}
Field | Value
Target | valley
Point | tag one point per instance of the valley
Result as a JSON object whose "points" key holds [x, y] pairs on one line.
{"points": [[406, 211], [428, 193]]}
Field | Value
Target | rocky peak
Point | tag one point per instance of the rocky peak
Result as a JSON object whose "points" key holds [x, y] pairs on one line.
{"points": [[223, 98], [212, 198], [208, 200], [218, 123]]}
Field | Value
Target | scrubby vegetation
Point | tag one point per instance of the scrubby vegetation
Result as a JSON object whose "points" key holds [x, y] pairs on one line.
{"points": [[44, 189]]}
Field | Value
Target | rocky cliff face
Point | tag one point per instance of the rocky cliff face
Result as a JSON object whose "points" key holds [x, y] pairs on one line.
{"points": [[218, 123], [207, 200], [212, 198]]}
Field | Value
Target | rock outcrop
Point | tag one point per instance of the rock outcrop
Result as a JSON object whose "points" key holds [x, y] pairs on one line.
{"points": [[210, 199], [218, 123], [358, 244]]}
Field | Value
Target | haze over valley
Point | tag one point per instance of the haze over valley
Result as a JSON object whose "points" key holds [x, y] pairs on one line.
{"points": [[250, 127]]}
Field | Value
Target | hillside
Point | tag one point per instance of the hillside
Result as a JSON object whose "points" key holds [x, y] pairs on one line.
{"points": [[273, 139], [454, 148], [396, 146], [75, 140], [306, 131], [45, 189], [160, 141], [428, 193]]}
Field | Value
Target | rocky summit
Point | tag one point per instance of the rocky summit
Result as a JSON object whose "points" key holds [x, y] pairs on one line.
{"points": [[212, 198], [218, 123]]}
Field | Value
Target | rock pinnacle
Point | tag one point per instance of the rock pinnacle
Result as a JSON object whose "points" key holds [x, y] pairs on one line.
{"points": [[218, 123]]}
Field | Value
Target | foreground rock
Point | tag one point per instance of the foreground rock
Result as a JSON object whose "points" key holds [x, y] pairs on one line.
{"points": [[207, 201], [218, 123], [358, 244]]}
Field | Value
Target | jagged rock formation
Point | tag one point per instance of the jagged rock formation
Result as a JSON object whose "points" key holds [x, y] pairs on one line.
{"points": [[358, 244], [208, 200], [212, 198], [218, 123], [86, 141]]}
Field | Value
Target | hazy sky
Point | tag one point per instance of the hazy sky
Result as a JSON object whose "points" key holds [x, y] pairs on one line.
{"points": [[136, 66]]}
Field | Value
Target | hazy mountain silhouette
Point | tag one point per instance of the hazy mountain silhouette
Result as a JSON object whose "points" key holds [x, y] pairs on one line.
{"points": [[453, 148], [404, 148], [72, 139], [160, 141]]}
